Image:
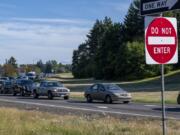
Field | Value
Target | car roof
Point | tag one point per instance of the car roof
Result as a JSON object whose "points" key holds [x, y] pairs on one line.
{"points": [[49, 81], [23, 80], [103, 83]]}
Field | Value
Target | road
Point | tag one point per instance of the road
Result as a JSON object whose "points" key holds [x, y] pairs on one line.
{"points": [[74, 106]]}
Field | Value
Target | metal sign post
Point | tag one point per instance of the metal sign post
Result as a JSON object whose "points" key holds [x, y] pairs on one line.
{"points": [[163, 101], [163, 98]]}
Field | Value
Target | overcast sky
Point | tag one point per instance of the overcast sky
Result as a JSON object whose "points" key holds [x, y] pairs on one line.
{"points": [[31, 30]]}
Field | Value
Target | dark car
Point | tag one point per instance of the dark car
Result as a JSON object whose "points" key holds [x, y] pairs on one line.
{"points": [[6, 87], [107, 93], [4, 78], [22, 87], [31, 76]]}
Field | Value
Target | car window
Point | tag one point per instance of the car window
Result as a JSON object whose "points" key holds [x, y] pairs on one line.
{"points": [[113, 87], [101, 88], [36, 84], [26, 82], [54, 84], [18, 82], [94, 88], [42, 84]]}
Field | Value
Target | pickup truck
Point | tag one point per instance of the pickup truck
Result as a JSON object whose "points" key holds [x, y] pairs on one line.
{"points": [[51, 89]]}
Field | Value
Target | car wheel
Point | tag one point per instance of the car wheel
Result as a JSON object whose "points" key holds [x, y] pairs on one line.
{"points": [[108, 100], [89, 99], [22, 93], [66, 97], [14, 93], [35, 95], [50, 96], [126, 102], [178, 99]]}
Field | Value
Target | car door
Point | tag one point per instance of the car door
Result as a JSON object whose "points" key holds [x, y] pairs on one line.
{"points": [[101, 94], [94, 90], [42, 88]]}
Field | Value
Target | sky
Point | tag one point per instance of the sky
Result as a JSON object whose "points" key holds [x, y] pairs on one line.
{"points": [[31, 30]]}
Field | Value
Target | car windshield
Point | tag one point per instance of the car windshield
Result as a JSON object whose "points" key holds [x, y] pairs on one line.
{"points": [[113, 87], [7, 83], [27, 82], [54, 84], [4, 78], [30, 74]]}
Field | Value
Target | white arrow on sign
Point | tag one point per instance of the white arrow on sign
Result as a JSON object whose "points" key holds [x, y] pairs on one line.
{"points": [[171, 3], [159, 4]]}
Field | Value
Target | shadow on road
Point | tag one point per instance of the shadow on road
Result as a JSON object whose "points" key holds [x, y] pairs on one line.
{"points": [[9, 95], [171, 109], [94, 102]]}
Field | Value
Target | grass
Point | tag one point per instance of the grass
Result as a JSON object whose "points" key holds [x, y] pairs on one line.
{"points": [[65, 75], [15, 122], [142, 97], [155, 97]]}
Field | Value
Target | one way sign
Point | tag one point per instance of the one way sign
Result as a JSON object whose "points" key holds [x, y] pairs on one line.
{"points": [[157, 6]]}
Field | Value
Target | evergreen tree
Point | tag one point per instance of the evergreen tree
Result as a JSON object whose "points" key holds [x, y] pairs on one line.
{"points": [[134, 23], [12, 61]]}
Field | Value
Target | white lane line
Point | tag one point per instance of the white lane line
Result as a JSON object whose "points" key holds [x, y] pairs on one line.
{"points": [[85, 109], [102, 107]]}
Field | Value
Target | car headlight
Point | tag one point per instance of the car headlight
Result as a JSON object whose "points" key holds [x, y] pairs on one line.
{"points": [[55, 90], [117, 94], [68, 90], [129, 95]]}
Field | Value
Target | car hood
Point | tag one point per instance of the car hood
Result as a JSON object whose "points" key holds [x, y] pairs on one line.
{"points": [[118, 91], [59, 88]]}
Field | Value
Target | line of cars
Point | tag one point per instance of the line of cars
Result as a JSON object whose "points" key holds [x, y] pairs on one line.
{"points": [[27, 87]]}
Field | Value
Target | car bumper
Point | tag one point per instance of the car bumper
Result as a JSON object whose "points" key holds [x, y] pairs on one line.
{"points": [[122, 99], [60, 94]]}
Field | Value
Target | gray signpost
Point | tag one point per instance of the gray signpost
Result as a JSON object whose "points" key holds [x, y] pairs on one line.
{"points": [[149, 7]]}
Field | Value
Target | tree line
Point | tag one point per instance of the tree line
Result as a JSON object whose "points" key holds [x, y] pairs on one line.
{"points": [[12, 68], [116, 51]]}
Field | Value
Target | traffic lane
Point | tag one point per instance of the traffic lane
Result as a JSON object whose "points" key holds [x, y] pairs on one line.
{"points": [[116, 108], [82, 103]]}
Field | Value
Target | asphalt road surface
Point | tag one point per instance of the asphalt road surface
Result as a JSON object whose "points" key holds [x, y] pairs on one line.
{"points": [[74, 106]]}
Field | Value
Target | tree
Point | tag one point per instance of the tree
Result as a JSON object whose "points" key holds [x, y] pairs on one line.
{"points": [[12, 61], [48, 68], [9, 70], [40, 65], [75, 64], [54, 65], [134, 23]]}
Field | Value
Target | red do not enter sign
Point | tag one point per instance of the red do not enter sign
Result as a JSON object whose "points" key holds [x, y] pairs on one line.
{"points": [[161, 40]]}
